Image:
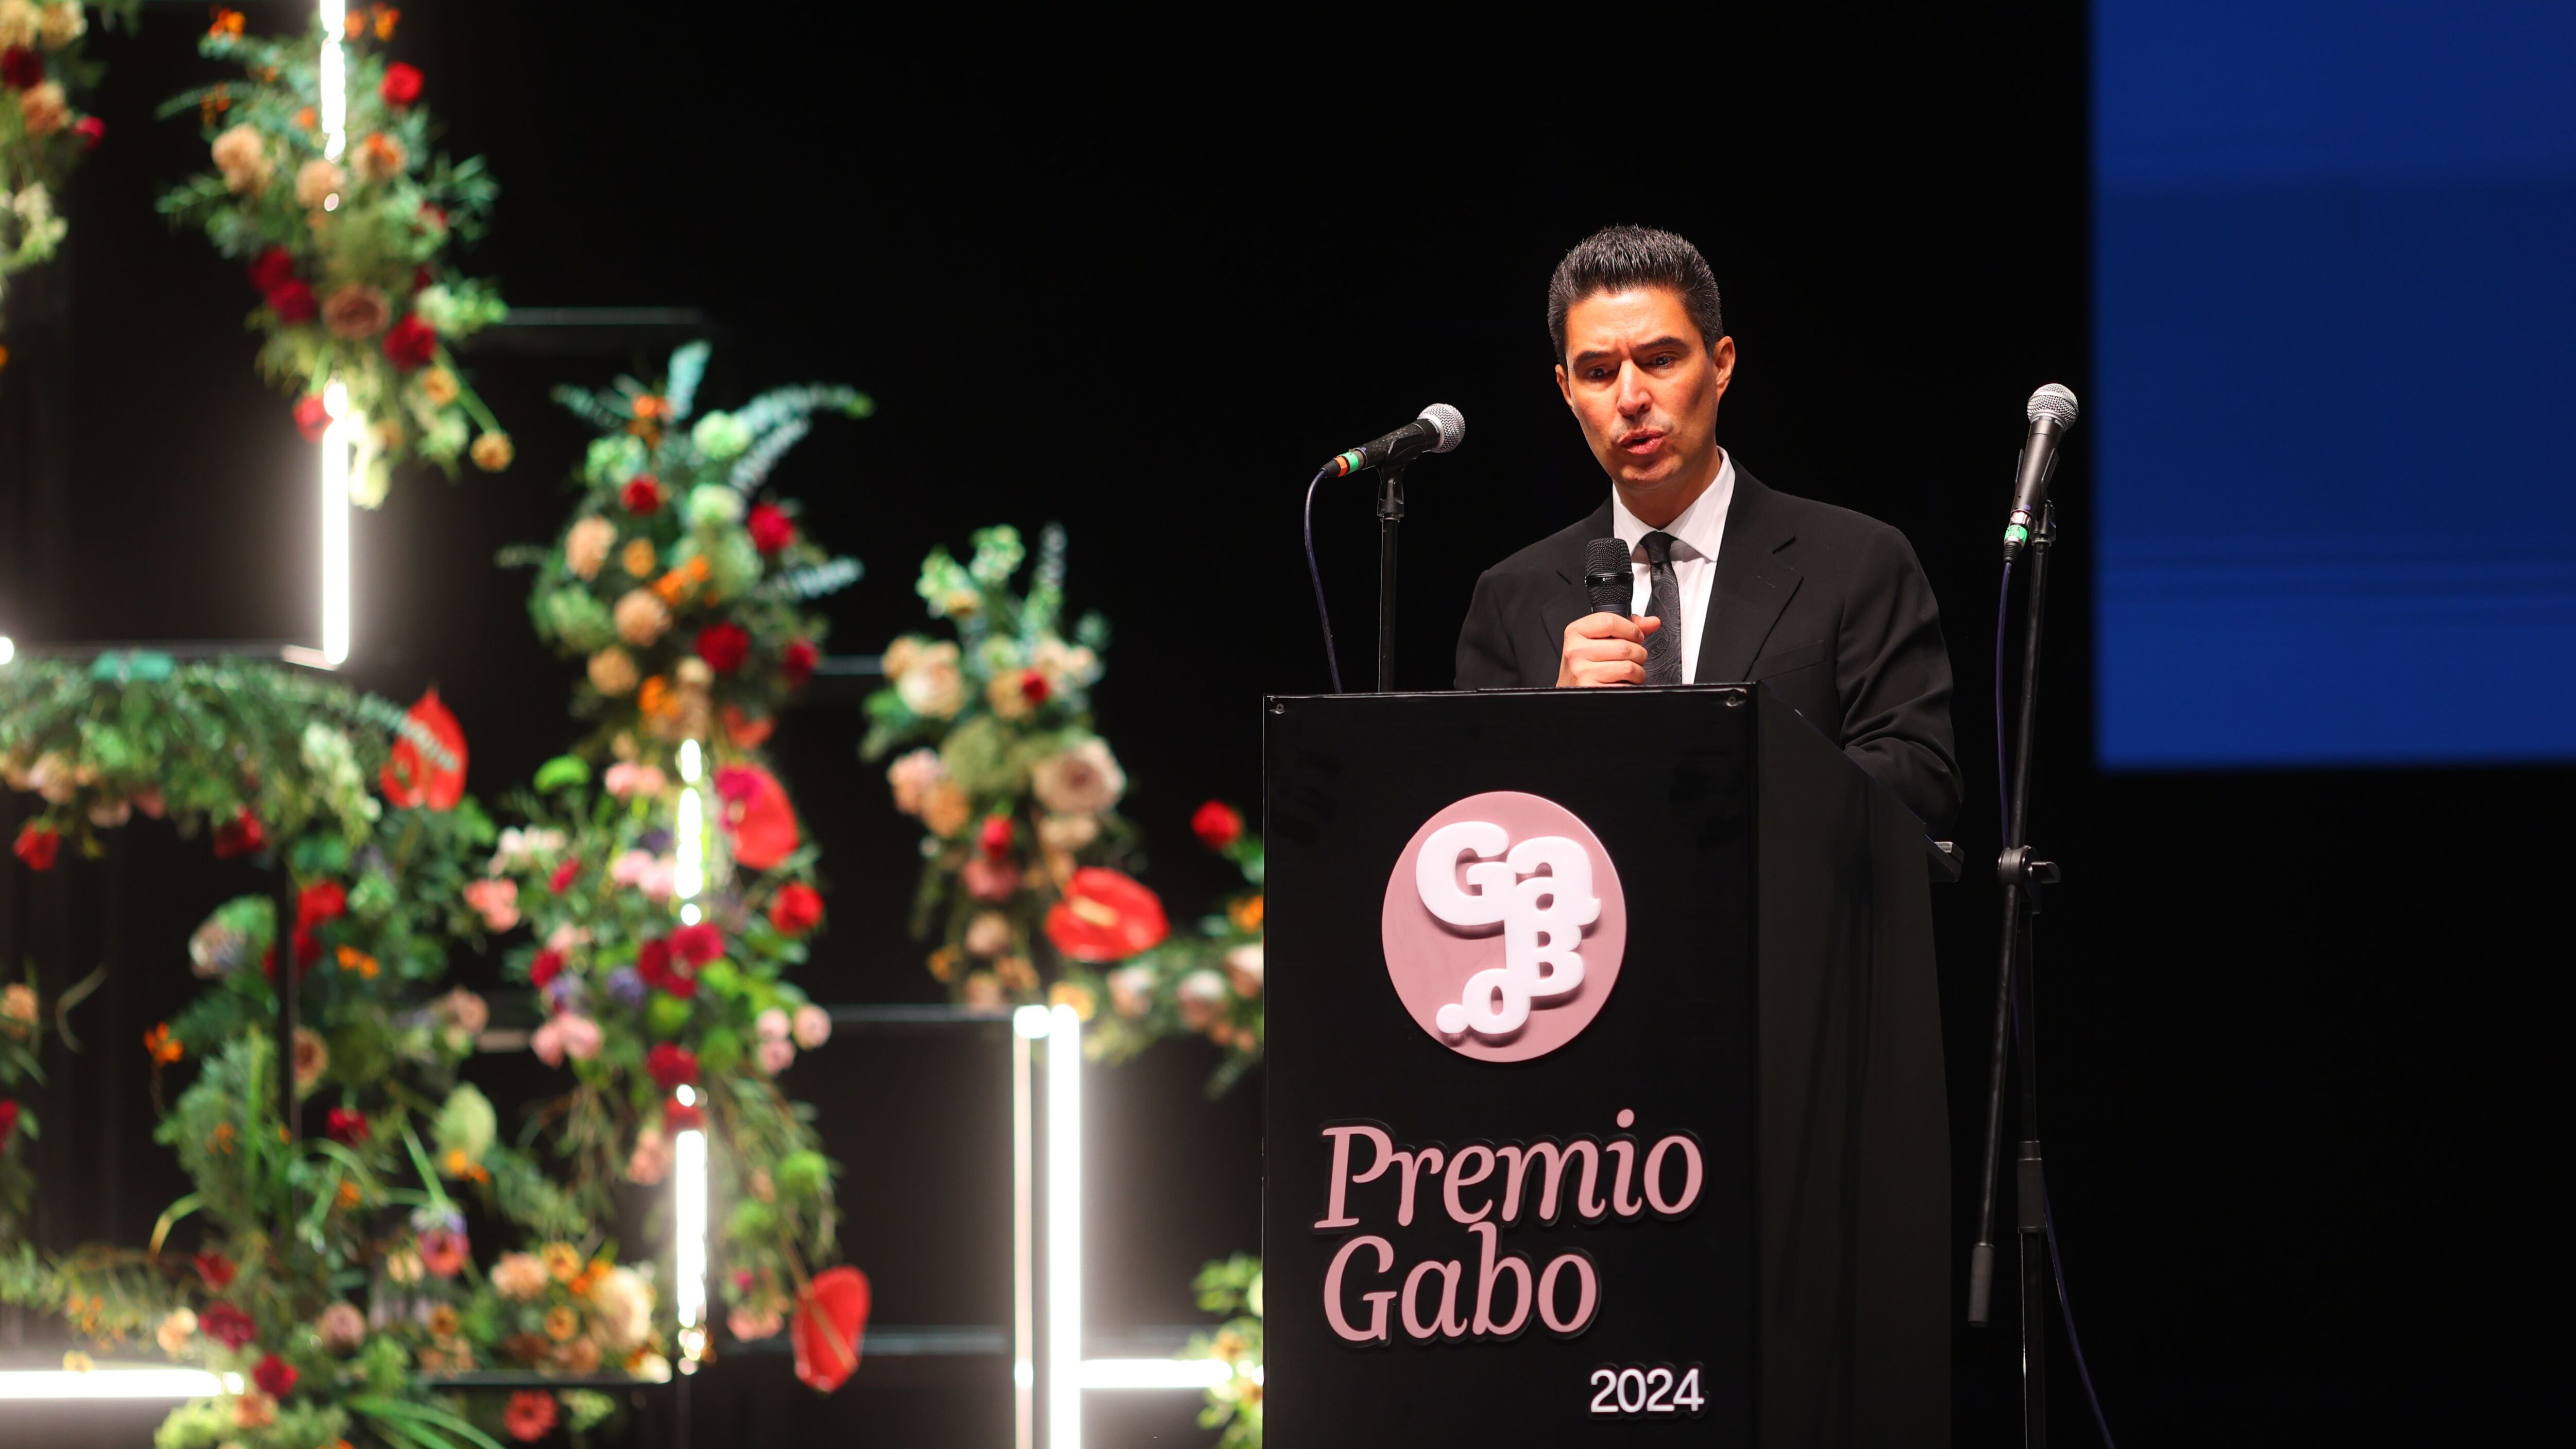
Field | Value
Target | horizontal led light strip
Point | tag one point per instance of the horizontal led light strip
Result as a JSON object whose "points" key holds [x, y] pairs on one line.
{"points": [[115, 1383]]}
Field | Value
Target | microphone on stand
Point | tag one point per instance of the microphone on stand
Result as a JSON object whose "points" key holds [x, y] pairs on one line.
{"points": [[1439, 429], [2052, 411], [1609, 576]]}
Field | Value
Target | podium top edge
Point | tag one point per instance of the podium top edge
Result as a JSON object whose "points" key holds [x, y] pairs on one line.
{"points": [[1740, 686]]}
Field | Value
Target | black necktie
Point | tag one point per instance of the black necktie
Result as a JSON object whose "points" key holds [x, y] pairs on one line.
{"points": [[1663, 601]]}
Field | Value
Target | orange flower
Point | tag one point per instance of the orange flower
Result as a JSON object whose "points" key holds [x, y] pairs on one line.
{"points": [[442, 1320], [353, 959], [561, 1323], [650, 406], [1246, 913], [385, 18], [162, 1045], [305, 120], [679, 580], [348, 1194], [654, 698], [561, 1261], [222, 1140], [227, 22], [638, 557]]}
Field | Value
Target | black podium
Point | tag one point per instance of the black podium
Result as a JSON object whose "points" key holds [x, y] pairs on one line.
{"points": [[1605, 1090]]}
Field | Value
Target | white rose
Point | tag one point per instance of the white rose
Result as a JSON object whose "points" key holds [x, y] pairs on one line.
{"points": [[1084, 780]]}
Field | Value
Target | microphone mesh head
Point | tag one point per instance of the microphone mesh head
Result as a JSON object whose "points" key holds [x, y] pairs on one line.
{"points": [[1609, 578], [2053, 401], [1451, 424]]}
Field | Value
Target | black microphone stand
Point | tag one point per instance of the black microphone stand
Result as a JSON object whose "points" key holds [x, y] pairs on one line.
{"points": [[2022, 874], [1390, 512]]}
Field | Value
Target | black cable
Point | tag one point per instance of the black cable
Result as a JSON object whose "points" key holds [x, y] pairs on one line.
{"points": [[2029, 981], [1331, 659]]}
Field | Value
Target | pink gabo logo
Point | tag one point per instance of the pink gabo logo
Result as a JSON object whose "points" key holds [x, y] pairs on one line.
{"points": [[1504, 926]]}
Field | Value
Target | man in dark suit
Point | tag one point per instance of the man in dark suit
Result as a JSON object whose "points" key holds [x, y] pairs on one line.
{"points": [[1733, 581]]}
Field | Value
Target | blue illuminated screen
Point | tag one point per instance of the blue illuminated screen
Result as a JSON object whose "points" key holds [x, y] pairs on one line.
{"points": [[2335, 347]]}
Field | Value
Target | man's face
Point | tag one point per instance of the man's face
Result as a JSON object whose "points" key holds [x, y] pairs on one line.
{"points": [[1645, 387]]}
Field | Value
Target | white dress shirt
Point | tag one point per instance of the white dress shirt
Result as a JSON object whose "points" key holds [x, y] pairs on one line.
{"points": [[1696, 534]]}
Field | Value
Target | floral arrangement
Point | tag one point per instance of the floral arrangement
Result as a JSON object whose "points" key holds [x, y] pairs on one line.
{"points": [[681, 581], [42, 131], [346, 236], [1232, 1286], [1205, 982], [672, 1014], [244, 752], [1017, 792], [22, 1039]]}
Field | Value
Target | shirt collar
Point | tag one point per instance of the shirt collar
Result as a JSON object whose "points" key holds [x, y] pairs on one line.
{"points": [[1700, 528]]}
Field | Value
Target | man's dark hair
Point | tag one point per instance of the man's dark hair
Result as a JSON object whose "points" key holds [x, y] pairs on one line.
{"points": [[1621, 258]]}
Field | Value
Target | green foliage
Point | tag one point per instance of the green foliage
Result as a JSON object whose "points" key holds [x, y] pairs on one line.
{"points": [[1232, 1286], [40, 135]]}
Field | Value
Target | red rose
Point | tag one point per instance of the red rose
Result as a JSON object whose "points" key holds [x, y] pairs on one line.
{"points": [[671, 1064], [316, 905], [410, 777], [796, 662], [1105, 916], [655, 966], [1034, 688], [239, 838], [275, 1377], [293, 302], [89, 129], [770, 530], [402, 84], [561, 880], [724, 646], [311, 418], [641, 495], [543, 970], [995, 838], [679, 1116], [8, 1120], [216, 1269], [38, 847], [224, 1323], [796, 909], [698, 944], [272, 269], [411, 342], [345, 1126], [1218, 824], [22, 68]]}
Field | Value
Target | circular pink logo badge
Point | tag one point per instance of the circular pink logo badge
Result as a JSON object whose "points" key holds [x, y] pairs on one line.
{"points": [[1504, 926]]}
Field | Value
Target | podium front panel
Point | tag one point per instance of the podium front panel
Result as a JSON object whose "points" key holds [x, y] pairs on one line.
{"points": [[1633, 1093]]}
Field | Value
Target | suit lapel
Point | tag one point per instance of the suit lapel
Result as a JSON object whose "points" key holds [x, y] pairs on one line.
{"points": [[1754, 583]]}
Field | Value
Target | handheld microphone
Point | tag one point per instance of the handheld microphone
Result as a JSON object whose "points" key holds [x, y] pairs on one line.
{"points": [[1439, 429], [1609, 576], [2051, 412]]}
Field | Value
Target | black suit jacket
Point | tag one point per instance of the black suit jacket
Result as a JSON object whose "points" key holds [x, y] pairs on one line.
{"points": [[1826, 606]]}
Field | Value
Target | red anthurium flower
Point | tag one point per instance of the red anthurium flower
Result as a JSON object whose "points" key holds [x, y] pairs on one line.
{"points": [[697, 944], [831, 1317], [770, 528], [796, 662], [227, 1325], [345, 1126], [402, 84], [642, 494], [312, 419], [671, 1064], [796, 909], [1218, 824], [410, 776], [38, 847], [1105, 916], [724, 646], [679, 1116], [411, 342], [216, 1269], [561, 880], [758, 821], [543, 970]]}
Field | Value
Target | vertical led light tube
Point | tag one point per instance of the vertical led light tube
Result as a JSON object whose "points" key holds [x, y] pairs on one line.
{"points": [[689, 831], [689, 1230], [1028, 1024], [338, 445], [333, 78], [1064, 1229]]}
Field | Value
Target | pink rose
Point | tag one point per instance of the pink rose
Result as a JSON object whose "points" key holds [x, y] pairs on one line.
{"points": [[547, 1042], [496, 901], [579, 1034], [990, 880], [776, 1056], [813, 1026]]}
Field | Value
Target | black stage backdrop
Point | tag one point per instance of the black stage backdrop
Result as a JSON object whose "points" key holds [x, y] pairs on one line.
{"points": [[1093, 278]]}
